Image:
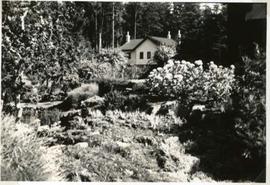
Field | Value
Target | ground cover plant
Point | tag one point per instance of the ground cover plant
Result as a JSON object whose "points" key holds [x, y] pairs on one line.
{"points": [[24, 156]]}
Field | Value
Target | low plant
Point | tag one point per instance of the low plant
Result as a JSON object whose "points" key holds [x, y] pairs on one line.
{"points": [[22, 153], [117, 100], [49, 117]]}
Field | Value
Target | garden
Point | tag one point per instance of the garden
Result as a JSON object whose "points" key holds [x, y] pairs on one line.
{"points": [[71, 111]]}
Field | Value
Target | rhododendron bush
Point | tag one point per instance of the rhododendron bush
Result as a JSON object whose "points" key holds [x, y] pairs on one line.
{"points": [[191, 83], [163, 54]]}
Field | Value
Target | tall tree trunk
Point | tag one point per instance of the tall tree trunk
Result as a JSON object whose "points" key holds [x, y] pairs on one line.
{"points": [[96, 32], [113, 25], [135, 21]]}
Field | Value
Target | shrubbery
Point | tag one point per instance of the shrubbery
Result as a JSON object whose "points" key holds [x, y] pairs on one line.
{"points": [[163, 54], [23, 154], [249, 104], [39, 41], [116, 100], [107, 64], [190, 83]]}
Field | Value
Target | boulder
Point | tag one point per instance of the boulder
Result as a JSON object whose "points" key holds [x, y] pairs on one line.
{"points": [[77, 95], [163, 108], [94, 101], [169, 107], [81, 145]]}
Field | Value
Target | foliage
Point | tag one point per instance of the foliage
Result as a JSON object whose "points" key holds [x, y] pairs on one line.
{"points": [[22, 153], [137, 72], [107, 63], [39, 42], [116, 100], [112, 56], [163, 54], [190, 83], [49, 117], [90, 70], [74, 97], [250, 102]]}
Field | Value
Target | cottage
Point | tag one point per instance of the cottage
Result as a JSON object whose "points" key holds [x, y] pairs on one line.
{"points": [[141, 51]]}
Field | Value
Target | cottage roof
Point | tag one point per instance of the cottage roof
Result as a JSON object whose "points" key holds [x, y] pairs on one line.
{"points": [[134, 43], [131, 45]]}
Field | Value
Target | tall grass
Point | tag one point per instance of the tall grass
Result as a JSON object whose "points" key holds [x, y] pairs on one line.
{"points": [[23, 154]]}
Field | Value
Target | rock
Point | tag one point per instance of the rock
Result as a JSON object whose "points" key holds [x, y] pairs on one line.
{"points": [[79, 94], [163, 108], [82, 145], [43, 129], [169, 107], [122, 145], [93, 101], [120, 148], [172, 157], [146, 140]]}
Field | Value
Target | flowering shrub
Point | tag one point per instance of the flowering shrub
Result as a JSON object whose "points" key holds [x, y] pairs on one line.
{"points": [[190, 83], [163, 54]]}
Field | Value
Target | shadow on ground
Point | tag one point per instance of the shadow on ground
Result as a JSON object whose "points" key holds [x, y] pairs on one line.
{"points": [[220, 151]]}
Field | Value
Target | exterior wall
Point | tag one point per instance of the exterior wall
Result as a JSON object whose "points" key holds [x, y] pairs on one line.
{"points": [[133, 58], [148, 45]]}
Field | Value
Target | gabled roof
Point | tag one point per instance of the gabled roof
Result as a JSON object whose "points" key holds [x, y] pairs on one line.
{"points": [[134, 43], [131, 45], [162, 40]]}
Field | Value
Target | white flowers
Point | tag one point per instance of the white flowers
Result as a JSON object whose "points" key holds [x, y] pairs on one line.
{"points": [[170, 62], [178, 78], [169, 76], [198, 62]]}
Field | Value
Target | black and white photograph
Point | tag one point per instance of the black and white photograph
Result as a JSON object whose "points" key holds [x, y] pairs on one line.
{"points": [[133, 91]]}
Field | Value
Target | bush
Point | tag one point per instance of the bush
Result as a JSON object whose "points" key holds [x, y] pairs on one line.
{"points": [[163, 54], [137, 72], [249, 103], [106, 64], [116, 100], [90, 70], [112, 56], [79, 94], [49, 117], [23, 155], [190, 83]]}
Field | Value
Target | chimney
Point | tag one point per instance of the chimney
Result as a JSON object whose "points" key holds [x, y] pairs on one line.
{"points": [[169, 35], [127, 37], [179, 37]]}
